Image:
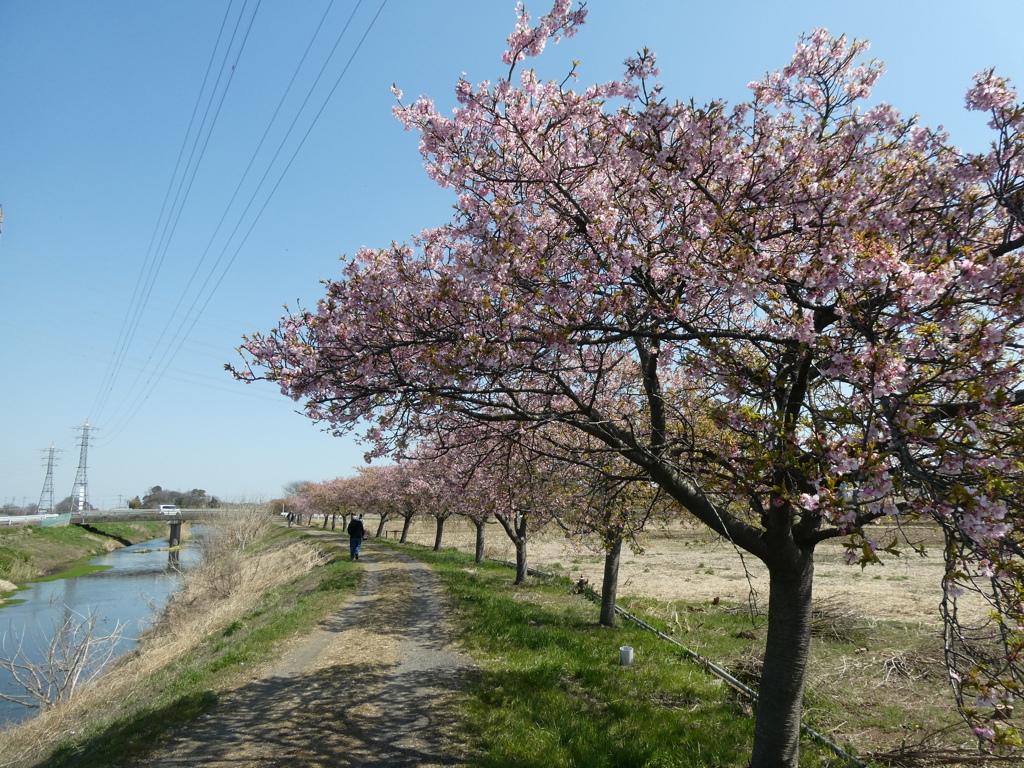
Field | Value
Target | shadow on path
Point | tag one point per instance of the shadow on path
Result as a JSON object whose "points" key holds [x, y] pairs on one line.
{"points": [[367, 688]]}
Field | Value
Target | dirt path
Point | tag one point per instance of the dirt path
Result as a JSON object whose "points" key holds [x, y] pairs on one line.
{"points": [[368, 688]]}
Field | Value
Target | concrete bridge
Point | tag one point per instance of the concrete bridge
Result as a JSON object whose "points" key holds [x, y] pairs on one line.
{"points": [[138, 515], [174, 519]]}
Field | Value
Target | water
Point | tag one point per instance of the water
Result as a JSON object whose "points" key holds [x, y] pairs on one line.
{"points": [[131, 592]]}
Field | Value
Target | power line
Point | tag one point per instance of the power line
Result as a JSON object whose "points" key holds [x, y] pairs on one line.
{"points": [[181, 334], [134, 306], [153, 378], [154, 258]]}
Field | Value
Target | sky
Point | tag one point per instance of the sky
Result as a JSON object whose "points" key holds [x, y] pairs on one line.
{"points": [[173, 174]]}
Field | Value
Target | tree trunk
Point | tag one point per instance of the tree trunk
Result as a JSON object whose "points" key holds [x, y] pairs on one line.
{"points": [[438, 533], [780, 698], [522, 571], [516, 530], [610, 584], [325, 522], [380, 525], [479, 540], [405, 528], [334, 521]]}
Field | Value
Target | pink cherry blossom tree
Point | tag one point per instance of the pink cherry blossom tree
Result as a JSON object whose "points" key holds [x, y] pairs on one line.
{"points": [[501, 477], [473, 503], [436, 476], [795, 315], [608, 506], [438, 498], [328, 498], [298, 506], [469, 492], [368, 493]]}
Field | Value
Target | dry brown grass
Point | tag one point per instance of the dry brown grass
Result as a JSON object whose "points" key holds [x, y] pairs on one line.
{"points": [[229, 582], [834, 620]]}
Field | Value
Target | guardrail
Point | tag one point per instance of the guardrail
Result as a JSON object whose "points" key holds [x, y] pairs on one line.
{"points": [[26, 519], [112, 515]]}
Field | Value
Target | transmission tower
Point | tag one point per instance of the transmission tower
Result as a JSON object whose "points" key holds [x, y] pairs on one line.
{"points": [[80, 493], [46, 497]]}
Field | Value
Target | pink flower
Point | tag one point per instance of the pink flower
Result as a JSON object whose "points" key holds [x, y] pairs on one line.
{"points": [[809, 502], [990, 92]]}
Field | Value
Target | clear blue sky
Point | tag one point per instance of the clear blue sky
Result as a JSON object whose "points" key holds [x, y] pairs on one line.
{"points": [[112, 312]]}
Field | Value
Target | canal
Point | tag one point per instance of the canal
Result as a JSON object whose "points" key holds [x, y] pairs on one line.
{"points": [[131, 592]]}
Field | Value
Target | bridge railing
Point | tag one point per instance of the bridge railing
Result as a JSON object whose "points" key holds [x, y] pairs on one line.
{"points": [[16, 520]]}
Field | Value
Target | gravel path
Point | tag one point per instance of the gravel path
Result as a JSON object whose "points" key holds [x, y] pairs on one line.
{"points": [[368, 688]]}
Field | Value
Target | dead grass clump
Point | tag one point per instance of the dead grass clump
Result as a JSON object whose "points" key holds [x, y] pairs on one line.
{"points": [[912, 666], [932, 750], [832, 620], [228, 583], [234, 529], [748, 670], [18, 571], [836, 621]]}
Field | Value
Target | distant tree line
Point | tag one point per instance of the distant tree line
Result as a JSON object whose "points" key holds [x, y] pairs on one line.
{"points": [[197, 498], [194, 499], [11, 509]]}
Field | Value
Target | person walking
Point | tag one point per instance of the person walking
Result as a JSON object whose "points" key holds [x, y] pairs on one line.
{"points": [[356, 531]]}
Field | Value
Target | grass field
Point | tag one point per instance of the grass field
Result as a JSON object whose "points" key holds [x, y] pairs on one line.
{"points": [[877, 682], [548, 690]]}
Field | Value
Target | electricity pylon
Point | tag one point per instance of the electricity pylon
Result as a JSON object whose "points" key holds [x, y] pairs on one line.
{"points": [[46, 497], [80, 492]]}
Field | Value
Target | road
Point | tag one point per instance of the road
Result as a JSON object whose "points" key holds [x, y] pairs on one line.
{"points": [[371, 687]]}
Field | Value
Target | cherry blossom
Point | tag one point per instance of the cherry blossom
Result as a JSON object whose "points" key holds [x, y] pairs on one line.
{"points": [[795, 316]]}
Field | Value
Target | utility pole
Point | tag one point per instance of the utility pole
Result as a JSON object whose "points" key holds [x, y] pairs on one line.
{"points": [[80, 492], [46, 497]]}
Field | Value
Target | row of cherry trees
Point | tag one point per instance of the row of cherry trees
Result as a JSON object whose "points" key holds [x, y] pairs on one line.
{"points": [[515, 480], [792, 316]]}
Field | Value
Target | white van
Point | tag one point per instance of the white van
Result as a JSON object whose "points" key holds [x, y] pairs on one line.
{"points": [[168, 509]]}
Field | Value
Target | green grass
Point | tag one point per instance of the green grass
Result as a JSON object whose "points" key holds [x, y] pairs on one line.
{"points": [[550, 693], [128, 739], [78, 569], [31, 552]]}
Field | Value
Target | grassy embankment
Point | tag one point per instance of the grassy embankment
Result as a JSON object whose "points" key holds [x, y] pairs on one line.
{"points": [[550, 691], [258, 586], [31, 553]]}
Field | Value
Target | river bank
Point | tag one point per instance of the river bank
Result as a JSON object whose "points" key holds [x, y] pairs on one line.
{"points": [[103, 602], [251, 594], [32, 552], [210, 685]]}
